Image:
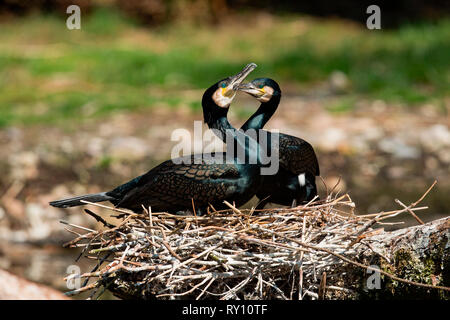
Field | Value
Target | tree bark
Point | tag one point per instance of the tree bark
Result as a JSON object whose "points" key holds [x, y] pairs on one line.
{"points": [[419, 253]]}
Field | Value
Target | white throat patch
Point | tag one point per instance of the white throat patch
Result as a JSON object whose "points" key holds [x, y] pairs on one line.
{"points": [[268, 93], [302, 179], [221, 100]]}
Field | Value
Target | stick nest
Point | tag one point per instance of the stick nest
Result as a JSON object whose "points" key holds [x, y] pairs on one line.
{"points": [[231, 254]]}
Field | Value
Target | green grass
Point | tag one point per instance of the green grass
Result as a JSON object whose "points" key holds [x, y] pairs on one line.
{"points": [[49, 74], [343, 105]]}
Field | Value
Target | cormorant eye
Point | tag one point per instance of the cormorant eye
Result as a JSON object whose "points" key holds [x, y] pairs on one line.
{"points": [[223, 85], [261, 86]]}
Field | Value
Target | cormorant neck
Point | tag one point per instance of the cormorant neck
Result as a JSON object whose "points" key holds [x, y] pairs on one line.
{"points": [[222, 124], [265, 111], [244, 147], [216, 118]]}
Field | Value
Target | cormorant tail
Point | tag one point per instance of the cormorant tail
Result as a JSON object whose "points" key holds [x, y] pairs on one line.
{"points": [[76, 201]]}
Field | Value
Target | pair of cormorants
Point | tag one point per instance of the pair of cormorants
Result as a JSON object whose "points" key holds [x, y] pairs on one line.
{"points": [[178, 185]]}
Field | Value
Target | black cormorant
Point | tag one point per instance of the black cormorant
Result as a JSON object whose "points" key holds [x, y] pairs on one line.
{"points": [[295, 180], [175, 185]]}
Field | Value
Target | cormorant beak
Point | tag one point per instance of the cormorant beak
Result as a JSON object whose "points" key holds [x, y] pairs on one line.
{"points": [[251, 89], [235, 81]]}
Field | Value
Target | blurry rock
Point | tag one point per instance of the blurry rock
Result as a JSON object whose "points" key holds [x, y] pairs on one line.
{"points": [[51, 156], [37, 216], [429, 110], [436, 137], [46, 267], [81, 188], [331, 138], [372, 133], [359, 144], [361, 141], [379, 106], [58, 192], [120, 169], [370, 169], [128, 148], [444, 155], [24, 165], [67, 145], [5, 263], [396, 172], [14, 209], [106, 130], [339, 82], [14, 134], [15, 288], [15, 236], [333, 181], [398, 148], [95, 147], [123, 125], [431, 163], [36, 268], [82, 219]]}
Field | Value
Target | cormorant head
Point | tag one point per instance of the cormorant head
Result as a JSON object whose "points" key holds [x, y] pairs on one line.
{"points": [[218, 97], [263, 89]]}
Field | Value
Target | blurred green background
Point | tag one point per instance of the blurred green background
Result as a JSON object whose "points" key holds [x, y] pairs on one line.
{"points": [[115, 62]]}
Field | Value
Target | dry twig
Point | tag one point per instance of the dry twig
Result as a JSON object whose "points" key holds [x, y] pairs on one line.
{"points": [[252, 254]]}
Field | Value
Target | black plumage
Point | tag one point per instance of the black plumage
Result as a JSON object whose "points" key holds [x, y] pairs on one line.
{"points": [[296, 156], [203, 179]]}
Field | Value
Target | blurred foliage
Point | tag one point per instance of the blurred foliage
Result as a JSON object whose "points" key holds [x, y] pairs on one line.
{"points": [[394, 13], [22, 7], [49, 73], [154, 12]]}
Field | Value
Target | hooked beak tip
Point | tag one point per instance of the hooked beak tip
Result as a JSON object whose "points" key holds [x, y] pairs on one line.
{"points": [[250, 89], [238, 78]]}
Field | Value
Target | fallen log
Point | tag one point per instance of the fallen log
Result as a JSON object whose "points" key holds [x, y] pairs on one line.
{"points": [[13, 287], [402, 260]]}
